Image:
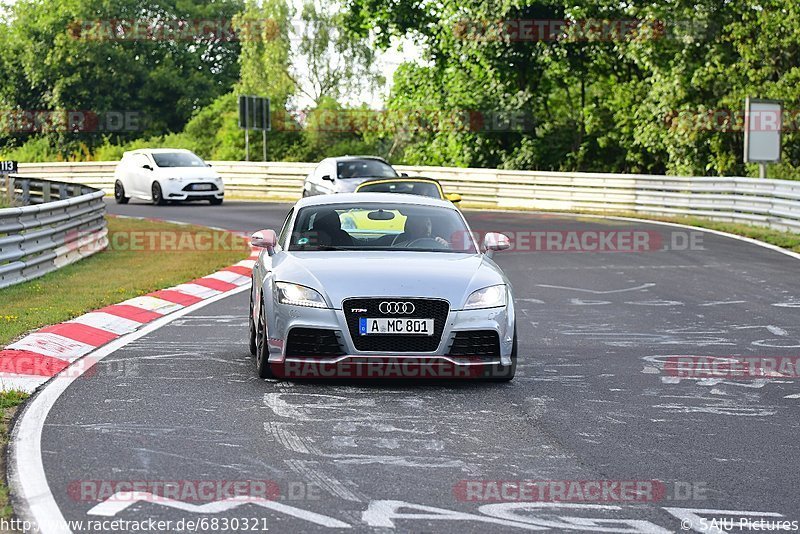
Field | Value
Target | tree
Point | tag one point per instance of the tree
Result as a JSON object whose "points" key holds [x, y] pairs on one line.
{"points": [[337, 63], [158, 58]]}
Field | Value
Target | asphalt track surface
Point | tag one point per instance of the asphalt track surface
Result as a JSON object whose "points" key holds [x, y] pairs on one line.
{"points": [[592, 401]]}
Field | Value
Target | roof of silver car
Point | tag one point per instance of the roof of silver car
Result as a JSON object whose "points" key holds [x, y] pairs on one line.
{"points": [[372, 198]]}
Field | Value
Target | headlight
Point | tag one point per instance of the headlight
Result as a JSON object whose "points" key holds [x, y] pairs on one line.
{"points": [[488, 297], [297, 295]]}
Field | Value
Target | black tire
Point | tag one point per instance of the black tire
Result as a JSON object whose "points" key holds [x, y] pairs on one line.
{"points": [[215, 201], [158, 195], [262, 351], [252, 329], [505, 373], [119, 193]]}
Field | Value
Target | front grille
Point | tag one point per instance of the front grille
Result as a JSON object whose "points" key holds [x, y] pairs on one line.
{"points": [[423, 309], [482, 343], [202, 187], [313, 343]]}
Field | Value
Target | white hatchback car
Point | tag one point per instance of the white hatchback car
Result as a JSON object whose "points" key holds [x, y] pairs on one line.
{"points": [[160, 175]]}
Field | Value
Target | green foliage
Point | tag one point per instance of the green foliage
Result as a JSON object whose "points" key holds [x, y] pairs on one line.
{"points": [[599, 102], [264, 57], [73, 55]]}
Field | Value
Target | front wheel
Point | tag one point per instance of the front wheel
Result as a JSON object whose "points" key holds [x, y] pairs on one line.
{"points": [[158, 195], [119, 193], [262, 350]]}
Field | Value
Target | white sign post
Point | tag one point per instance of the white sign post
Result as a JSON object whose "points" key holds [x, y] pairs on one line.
{"points": [[763, 123]]}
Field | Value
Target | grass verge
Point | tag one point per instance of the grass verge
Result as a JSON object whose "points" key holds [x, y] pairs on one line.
{"points": [[143, 256], [9, 401]]}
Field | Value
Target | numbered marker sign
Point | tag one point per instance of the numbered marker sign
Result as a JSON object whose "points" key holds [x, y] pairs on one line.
{"points": [[8, 167]]}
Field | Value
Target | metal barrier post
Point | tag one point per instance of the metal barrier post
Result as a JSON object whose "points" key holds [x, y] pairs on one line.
{"points": [[26, 192]]}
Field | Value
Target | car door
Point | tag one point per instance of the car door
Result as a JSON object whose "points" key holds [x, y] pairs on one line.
{"points": [[328, 168], [317, 184], [143, 177]]}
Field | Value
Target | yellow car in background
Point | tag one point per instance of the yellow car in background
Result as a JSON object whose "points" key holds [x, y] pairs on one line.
{"points": [[417, 185]]}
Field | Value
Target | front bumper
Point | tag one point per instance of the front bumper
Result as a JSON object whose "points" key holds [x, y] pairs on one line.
{"points": [[184, 190], [282, 319]]}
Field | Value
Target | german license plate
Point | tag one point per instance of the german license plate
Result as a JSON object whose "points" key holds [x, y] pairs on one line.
{"points": [[384, 325]]}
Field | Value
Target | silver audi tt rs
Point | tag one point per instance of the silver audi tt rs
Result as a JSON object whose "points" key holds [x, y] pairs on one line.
{"points": [[380, 285]]}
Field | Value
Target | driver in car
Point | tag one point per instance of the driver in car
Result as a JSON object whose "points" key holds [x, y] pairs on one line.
{"points": [[416, 228]]}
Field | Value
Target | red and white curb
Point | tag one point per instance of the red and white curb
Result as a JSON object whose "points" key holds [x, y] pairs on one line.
{"points": [[33, 360]]}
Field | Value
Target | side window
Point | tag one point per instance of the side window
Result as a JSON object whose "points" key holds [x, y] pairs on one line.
{"points": [[285, 228]]}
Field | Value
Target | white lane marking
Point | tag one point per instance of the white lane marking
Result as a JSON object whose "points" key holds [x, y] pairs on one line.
{"points": [[598, 292], [26, 474], [724, 302], [122, 500], [581, 302], [107, 321], [795, 396], [776, 343], [52, 345], [383, 513], [520, 511], [792, 304], [656, 303], [777, 330]]}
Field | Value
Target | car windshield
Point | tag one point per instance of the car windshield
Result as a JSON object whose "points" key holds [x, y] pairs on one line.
{"points": [[425, 189], [381, 226], [177, 159], [364, 168]]}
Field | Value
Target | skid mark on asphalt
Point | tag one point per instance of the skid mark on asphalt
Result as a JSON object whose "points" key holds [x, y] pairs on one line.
{"points": [[313, 473], [362, 428]]}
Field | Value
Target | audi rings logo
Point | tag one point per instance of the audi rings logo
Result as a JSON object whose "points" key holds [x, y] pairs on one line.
{"points": [[395, 308]]}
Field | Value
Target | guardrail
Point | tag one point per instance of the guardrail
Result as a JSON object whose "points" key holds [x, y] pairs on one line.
{"points": [[59, 224], [772, 203]]}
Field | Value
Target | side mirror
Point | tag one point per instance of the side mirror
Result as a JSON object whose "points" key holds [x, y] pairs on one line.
{"points": [[404, 175], [327, 177], [494, 241], [264, 239], [453, 197], [148, 167], [208, 165]]}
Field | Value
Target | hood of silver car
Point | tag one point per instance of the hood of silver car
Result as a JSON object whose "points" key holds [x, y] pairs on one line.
{"points": [[340, 275]]}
